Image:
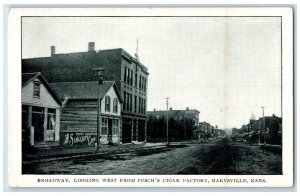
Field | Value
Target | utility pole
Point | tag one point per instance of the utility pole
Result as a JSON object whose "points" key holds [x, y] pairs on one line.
{"points": [[168, 142], [99, 75], [264, 125]]}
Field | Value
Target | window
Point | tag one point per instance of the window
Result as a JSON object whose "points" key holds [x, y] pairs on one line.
{"points": [[140, 82], [135, 104], [125, 74], [36, 89], [131, 78], [115, 126], [140, 105], [107, 103], [145, 85], [136, 79], [129, 105], [115, 107], [104, 126], [128, 75], [51, 119], [124, 103], [143, 106]]}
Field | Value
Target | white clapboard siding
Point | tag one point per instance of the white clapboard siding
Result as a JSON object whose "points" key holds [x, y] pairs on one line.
{"points": [[112, 93], [45, 99]]}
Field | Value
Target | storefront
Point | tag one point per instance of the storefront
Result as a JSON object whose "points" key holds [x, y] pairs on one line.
{"points": [[40, 112]]}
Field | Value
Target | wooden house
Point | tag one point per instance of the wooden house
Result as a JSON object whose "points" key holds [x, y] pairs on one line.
{"points": [[79, 112], [40, 112]]}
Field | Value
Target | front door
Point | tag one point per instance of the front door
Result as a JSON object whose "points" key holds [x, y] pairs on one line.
{"points": [[38, 124], [109, 134]]}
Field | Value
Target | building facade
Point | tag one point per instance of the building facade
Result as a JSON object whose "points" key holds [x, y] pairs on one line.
{"points": [[266, 129], [205, 131], [129, 74], [181, 124], [79, 113], [40, 112]]}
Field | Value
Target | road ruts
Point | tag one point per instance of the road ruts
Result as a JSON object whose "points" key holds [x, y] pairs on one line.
{"points": [[226, 162]]}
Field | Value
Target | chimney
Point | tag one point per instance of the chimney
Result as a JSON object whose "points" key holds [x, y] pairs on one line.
{"points": [[187, 108], [91, 46], [170, 108], [52, 50], [154, 109]]}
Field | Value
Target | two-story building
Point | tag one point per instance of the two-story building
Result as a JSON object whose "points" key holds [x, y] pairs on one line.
{"points": [[79, 112]]}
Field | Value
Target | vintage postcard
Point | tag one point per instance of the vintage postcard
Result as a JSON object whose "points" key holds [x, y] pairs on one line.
{"points": [[150, 97]]}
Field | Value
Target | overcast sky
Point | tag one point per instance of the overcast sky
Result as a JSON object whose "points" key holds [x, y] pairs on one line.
{"points": [[227, 68]]}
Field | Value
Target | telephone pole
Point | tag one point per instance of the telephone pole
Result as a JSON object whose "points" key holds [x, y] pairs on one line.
{"points": [[264, 125], [99, 74], [168, 142]]}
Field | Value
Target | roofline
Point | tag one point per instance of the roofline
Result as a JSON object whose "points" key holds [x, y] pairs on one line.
{"points": [[113, 83], [47, 84], [83, 82], [175, 110], [37, 74], [97, 51]]}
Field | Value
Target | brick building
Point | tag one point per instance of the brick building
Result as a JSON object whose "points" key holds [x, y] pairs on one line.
{"points": [[182, 124], [129, 74]]}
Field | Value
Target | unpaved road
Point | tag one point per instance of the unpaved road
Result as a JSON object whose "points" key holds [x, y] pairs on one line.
{"points": [[217, 157]]}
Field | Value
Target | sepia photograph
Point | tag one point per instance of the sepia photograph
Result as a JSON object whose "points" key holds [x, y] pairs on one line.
{"points": [[154, 93]]}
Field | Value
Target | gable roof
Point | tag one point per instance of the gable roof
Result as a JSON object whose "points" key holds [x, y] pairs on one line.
{"points": [[84, 90], [29, 77]]}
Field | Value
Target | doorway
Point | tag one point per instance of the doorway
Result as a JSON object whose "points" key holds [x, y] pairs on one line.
{"points": [[109, 134], [38, 124]]}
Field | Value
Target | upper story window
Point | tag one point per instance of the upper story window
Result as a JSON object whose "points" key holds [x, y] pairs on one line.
{"points": [[140, 82], [36, 89], [136, 79], [145, 85], [107, 103], [124, 76], [124, 102], [115, 105], [128, 76]]}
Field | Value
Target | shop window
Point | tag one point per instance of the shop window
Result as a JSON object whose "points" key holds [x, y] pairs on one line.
{"points": [[104, 126], [50, 132], [36, 89], [115, 127]]}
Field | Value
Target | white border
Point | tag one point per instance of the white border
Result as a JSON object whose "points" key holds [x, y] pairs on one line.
{"points": [[14, 86]]}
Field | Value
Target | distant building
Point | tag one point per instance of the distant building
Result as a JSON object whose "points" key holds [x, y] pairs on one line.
{"points": [[40, 112], [182, 124], [205, 130], [266, 129], [79, 112], [129, 74]]}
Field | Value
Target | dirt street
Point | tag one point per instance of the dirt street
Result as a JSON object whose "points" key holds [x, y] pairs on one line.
{"points": [[217, 157]]}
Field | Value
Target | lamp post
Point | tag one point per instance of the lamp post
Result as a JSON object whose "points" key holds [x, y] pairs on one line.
{"points": [[99, 75]]}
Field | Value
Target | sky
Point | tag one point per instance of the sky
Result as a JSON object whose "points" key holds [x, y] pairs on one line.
{"points": [[225, 67]]}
